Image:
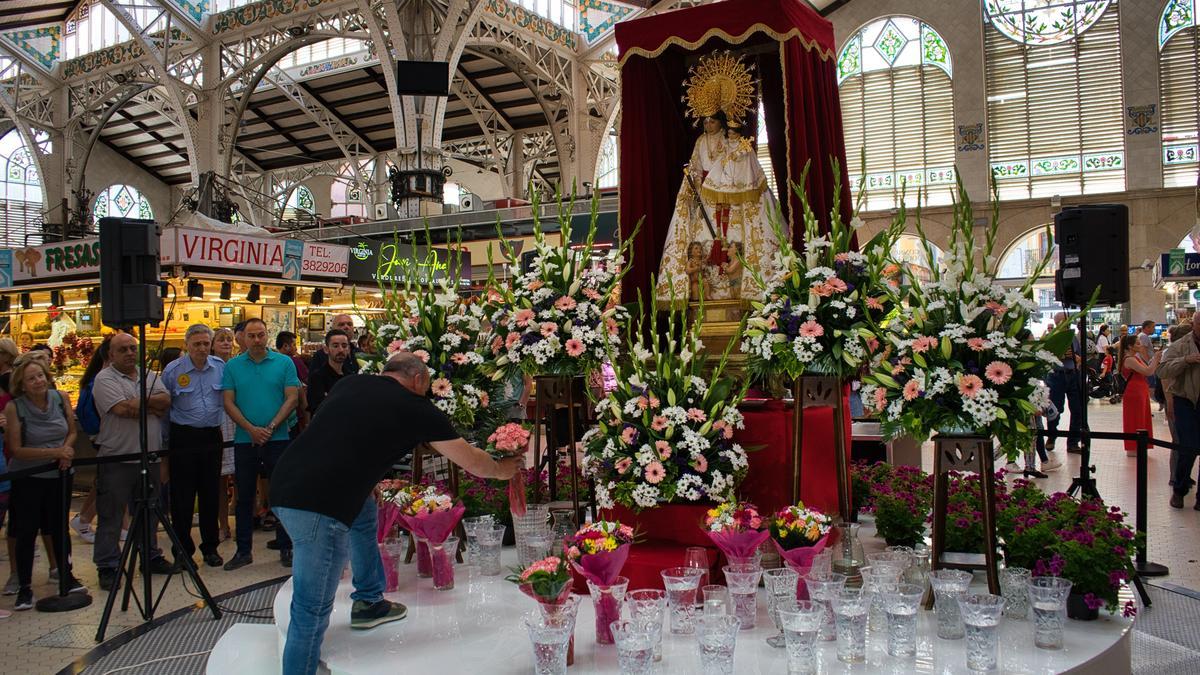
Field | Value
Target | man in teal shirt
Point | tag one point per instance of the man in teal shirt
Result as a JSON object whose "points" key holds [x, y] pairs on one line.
{"points": [[261, 389]]}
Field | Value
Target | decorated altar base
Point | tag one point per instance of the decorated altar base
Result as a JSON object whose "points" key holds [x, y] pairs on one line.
{"points": [[476, 628]]}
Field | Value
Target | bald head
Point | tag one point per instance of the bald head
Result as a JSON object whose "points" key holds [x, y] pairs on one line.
{"points": [[344, 323], [123, 352], [409, 371], [1060, 318]]}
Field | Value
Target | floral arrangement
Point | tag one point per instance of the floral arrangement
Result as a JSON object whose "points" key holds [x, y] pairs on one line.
{"points": [[511, 440], [450, 334], [387, 501], [666, 432], [598, 537], [1084, 541], [962, 361], [548, 580], [555, 318], [823, 313], [422, 500], [799, 527], [598, 551], [430, 513], [736, 528]]}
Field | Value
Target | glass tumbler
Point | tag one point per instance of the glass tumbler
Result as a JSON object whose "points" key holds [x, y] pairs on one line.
{"points": [[549, 642], [424, 562], [876, 580], [801, 625], [534, 546], [649, 605], [781, 584], [635, 646], [681, 584], [981, 615], [715, 599], [948, 587], [850, 609], [1014, 587], [901, 607], [822, 588], [470, 527], [488, 539], [716, 637], [1048, 596], [743, 591]]}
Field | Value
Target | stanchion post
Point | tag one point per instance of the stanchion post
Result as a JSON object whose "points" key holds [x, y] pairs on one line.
{"points": [[1140, 517]]}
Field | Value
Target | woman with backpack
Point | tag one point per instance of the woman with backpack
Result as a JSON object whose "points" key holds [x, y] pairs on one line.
{"points": [[89, 423], [40, 428], [1136, 367]]}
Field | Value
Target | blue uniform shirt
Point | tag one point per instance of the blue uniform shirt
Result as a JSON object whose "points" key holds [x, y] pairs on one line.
{"points": [[258, 388], [195, 393]]}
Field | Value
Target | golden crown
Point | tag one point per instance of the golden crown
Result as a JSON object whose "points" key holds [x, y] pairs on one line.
{"points": [[720, 82]]}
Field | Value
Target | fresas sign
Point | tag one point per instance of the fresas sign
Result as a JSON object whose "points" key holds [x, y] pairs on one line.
{"points": [[76, 258]]}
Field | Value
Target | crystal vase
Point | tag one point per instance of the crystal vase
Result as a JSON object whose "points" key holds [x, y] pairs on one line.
{"points": [[606, 601], [848, 554], [442, 558], [424, 562]]}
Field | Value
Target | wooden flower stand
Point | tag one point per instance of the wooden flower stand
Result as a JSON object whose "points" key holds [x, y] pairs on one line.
{"points": [[555, 392], [953, 452], [812, 391], [420, 453]]}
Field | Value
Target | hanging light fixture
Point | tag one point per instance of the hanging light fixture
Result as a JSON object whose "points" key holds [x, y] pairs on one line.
{"points": [[317, 297], [226, 290], [195, 289], [26, 301], [254, 293], [288, 295]]}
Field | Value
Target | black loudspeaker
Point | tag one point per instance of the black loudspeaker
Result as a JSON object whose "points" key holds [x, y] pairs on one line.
{"points": [[5, 304], [129, 272], [317, 297], [288, 295], [1093, 251], [254, 293], [423, 78], [226, 290]]}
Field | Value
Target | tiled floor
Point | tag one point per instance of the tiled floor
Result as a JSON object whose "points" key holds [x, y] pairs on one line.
{"points": [[26, 637]]}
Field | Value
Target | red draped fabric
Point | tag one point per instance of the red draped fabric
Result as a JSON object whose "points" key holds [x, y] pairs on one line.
{"points": [[800, 99]]}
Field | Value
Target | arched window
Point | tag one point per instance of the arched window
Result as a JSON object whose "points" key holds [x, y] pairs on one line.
{"points": [[1054, 106], [21, 180], [122, 201], [1020, 260], [897, 105], [1179, 80], [914, 253], [301, 205], [608, 168], [347, 192]]}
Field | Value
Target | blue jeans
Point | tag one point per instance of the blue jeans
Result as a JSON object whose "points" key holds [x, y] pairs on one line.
{"points": [[248, 461], [1066, 387], [320, 549], [1187, 430]]}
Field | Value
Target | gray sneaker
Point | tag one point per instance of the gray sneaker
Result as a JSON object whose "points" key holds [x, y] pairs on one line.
{"points": [[365, 615], [12, 585]]}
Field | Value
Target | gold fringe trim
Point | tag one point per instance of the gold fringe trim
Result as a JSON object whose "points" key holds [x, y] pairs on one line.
{"points": [[733, 198], [785, 193], [810, 45]]}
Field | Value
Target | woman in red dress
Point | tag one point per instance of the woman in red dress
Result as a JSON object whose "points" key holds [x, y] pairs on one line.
{"points": [[1136, 366]]}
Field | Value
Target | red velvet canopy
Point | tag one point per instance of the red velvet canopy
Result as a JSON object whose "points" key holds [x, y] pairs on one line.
{"points": [[792, 48]]}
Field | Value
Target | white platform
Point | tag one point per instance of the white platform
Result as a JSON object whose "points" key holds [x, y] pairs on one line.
{"points": [[476, 628]]}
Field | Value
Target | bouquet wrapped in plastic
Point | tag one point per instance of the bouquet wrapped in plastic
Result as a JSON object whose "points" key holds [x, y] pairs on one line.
{"points": [[548, 581], [598, 551], [737, 529], [430, 514], [511, 440]]}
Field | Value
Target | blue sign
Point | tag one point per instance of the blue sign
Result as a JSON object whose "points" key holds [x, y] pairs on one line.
{"points": [[6, 257], [293, 252]]}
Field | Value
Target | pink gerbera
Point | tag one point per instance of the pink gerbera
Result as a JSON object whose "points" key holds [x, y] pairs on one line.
{"points": [[880, 399], [655, 473], [654, 402], [623, 465], [842, 257], [612, 326], [696, 415], [836, 284], [574, 347], [663, 448], [511, 339], [565, 304], [969, 385], [912, 390], [821, 290], [536, 284], [591, 294], [484, 399], [395, 346], [996, 308], [549, 329], [772, 323], [658, 423], [628, 435], [497, 345], [441, 387], [811, 329], [977, 344], [421, 354], [700, 464], [459, 358], [924, 343], [643, 403], [998, 372], [523, 317], [875, 304]]}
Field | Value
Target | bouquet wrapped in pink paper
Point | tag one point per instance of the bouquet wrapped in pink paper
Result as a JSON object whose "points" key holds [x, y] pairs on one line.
{"points": [[511, 440], [737, 529], [799, 534], [388, 506], [548, 581], [598, 551], [430, 514]]}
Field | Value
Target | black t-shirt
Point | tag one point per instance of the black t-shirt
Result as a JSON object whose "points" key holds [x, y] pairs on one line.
{"points": [[320, 383], [365, 424]]}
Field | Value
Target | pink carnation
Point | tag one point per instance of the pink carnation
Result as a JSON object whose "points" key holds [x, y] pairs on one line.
{"points": [[510, 438], [655, 473], [998, 372]]}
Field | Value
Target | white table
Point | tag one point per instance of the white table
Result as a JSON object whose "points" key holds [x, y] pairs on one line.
{"points": [[476, 628]]}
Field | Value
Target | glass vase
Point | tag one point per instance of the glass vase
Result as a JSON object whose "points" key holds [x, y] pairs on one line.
{"points": [[848, 555], [442, 558], [424, 562], [606, 600]]}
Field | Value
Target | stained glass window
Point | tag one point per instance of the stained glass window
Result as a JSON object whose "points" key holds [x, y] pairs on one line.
{"points": [[301, 204], [897, 107], [347, 192], [121, 201], [608, 169], [1178, 80], [1055, 111], [1043, 22]]}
